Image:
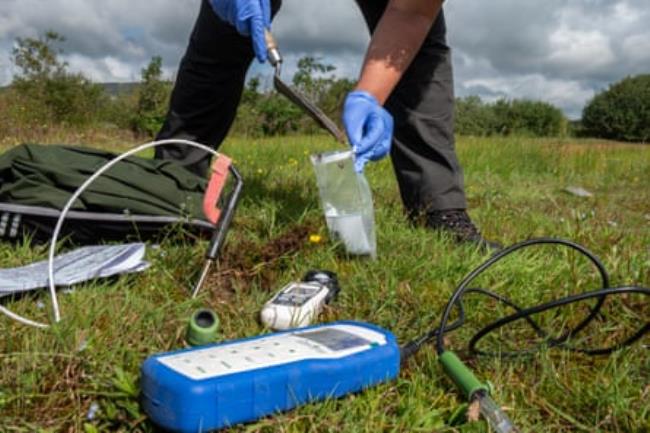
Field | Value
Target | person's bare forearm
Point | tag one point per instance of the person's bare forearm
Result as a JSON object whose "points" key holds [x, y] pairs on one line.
{"points": [[397, 38]]}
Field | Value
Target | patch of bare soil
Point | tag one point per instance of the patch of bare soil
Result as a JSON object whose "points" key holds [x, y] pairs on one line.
{"points": [[244, 262]]}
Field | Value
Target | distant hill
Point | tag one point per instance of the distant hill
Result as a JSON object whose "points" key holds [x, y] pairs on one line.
{"points": [[115, 89]]}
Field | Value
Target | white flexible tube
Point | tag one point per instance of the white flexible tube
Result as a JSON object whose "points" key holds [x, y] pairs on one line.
{"points": [[66, 208], [21, 319]]}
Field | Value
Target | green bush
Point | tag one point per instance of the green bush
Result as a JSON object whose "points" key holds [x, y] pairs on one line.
{"points": [[120, 110], [278, 115], [152, 99], [248, 119], [622, 112], [474, 117], [533, 118], [508, 117], [45, 92]]}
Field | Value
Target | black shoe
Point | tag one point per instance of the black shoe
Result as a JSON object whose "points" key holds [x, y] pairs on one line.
{"points": [[457, 223]]}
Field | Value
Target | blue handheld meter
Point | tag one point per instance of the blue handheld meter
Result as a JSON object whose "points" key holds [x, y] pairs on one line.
{"points": [[216, 386]]}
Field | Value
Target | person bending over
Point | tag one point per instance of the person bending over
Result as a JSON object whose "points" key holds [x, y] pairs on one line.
{"points": [[402, 104]]}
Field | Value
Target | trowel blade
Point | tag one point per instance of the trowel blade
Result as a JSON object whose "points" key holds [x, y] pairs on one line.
{"points": [[316, 113]]}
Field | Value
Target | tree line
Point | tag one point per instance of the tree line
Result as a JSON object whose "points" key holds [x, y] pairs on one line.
{"points": [[44, 93]]}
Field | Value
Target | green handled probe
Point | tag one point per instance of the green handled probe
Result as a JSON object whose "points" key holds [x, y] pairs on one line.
{"points": [[475, 390]]}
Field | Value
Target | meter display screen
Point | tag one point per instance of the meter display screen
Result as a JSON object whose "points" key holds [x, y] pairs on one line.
{"points": [[334, 339], [296, 295], [298, 290]]}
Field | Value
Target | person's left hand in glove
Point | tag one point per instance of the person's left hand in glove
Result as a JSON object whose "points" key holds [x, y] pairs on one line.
{"points": [[396, 39], [249, 17], [369, 128]]}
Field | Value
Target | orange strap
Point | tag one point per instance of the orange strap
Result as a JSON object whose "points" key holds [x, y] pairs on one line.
{"points": [[215, 187]]}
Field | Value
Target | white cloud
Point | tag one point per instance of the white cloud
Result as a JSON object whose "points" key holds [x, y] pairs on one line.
{"points": [[103, 69], [581, 51], [636, 49], [331, 25]]}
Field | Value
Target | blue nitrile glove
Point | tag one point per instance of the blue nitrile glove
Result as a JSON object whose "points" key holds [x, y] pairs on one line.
{"points": [[249, 17], [369, 127]]}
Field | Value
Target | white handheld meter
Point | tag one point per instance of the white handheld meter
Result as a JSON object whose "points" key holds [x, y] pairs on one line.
{"points": [[299, 303]]}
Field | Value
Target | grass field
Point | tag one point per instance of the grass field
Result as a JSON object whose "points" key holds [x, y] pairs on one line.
{"points": [[50, 379]]}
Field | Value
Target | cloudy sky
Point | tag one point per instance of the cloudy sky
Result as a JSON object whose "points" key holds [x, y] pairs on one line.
{"points": [[561, 51]]}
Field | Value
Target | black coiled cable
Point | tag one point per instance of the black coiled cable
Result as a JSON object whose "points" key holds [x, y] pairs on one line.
{"points": [[526, 313]]}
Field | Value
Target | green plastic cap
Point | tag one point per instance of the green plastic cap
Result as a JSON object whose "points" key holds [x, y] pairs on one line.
{"points": [[461, 374], [203, 327]]}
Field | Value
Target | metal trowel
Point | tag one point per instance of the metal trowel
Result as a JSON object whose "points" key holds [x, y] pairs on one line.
{"points": [[275, 58]]}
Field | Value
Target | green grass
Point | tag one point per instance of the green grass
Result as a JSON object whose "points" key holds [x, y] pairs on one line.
{"points": [[49, 379]]}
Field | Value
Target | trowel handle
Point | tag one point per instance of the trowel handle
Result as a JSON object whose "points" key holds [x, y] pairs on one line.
{"points": [[275, 58]]}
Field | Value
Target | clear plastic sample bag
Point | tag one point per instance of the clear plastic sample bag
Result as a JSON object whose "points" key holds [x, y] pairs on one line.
{"points": [[347, 202]]}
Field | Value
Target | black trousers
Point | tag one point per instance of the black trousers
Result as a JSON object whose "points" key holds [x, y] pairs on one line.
{"points": [[211, 79]]}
